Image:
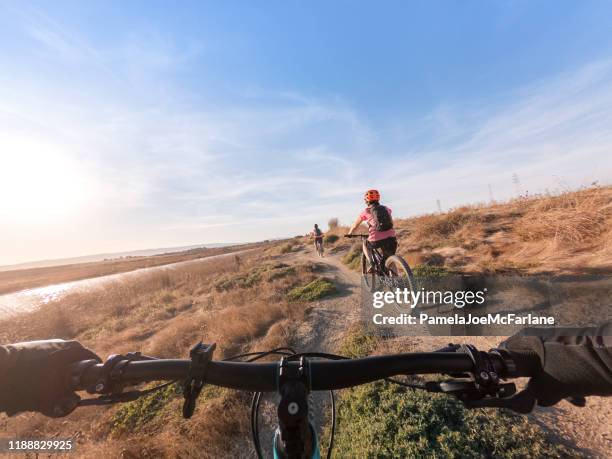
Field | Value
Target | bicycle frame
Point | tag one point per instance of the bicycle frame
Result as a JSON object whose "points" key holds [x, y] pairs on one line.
{"points": [[374, 256]]}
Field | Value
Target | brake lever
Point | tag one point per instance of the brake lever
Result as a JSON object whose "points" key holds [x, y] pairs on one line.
{"points": [[110, 399], [472, 396], [522, 403], [483, 389]]}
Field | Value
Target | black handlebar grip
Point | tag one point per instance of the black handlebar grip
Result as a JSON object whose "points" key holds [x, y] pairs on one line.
{"points": [[523, 362]]}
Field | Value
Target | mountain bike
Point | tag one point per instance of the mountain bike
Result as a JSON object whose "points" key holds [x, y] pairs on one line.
{"points": [[319, 246], [394, 273], [476, 380]]}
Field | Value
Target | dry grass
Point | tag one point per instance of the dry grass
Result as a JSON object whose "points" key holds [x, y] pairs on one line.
{"points": [[15, 280], [565, 233], [440, 227], [570, 220], [163, 313]]}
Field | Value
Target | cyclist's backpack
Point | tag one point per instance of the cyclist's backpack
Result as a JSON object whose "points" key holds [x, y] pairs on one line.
{"points": [[318, 232], [382, 218]]}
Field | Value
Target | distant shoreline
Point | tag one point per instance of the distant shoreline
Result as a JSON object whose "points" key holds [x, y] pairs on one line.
{"points": [[15, 280], [110, 256]]}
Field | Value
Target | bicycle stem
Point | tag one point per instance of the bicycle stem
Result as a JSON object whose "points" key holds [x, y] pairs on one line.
{"points": [[294, 437]]}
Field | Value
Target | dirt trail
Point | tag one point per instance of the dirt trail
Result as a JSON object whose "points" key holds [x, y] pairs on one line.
{"points": [[328, 320], [322, 330]]}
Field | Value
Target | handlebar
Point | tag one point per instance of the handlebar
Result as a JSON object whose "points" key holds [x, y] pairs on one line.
{"points": [[263, 377]]}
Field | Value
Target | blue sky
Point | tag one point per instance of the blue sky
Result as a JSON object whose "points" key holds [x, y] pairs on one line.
{"points": [[128, 125]]}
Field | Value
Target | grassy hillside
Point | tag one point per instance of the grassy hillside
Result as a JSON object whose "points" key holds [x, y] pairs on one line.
{"points": [[570, 232]]}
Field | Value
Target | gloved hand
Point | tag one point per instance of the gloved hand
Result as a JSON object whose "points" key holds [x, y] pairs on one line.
{"points": [[564, 366], [34, 376]]}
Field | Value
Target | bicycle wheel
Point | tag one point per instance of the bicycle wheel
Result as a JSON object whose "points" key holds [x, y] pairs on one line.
{"points": [[369, 279], [400, 277]]}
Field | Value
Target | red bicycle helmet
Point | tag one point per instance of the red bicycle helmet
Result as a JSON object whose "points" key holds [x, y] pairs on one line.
{"points": [[372, 195]]}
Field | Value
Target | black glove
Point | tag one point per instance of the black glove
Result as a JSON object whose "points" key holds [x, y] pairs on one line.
{"points": [[34, 376], [564, 366]]}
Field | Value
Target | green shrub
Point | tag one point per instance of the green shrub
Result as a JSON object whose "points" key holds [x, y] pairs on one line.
{"points": [[359, 342], [315, 290], [279, 273], [383, 420], [429, 271], [167, 298], [267, 272], [253, 278], [331, 238], [136, 414], [241, 281], [229, 283], [353, 257]]}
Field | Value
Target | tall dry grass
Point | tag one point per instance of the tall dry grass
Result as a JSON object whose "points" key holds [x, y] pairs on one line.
{"points": [[569, 232], [163, 313], [15, 280], [571, 219]]}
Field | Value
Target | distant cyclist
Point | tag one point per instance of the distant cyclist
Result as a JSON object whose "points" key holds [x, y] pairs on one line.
{"points": [[380, 224], [318, 239]]}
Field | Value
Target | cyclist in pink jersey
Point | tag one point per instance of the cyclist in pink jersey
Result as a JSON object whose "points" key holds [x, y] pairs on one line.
{"points": [[380, 224]]}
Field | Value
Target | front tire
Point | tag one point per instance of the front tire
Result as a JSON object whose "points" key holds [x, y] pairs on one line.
{"points": [[369, 279]]}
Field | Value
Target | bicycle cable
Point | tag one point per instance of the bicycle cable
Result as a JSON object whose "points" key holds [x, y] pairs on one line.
{"points": [[284, 351], [255, 402]]}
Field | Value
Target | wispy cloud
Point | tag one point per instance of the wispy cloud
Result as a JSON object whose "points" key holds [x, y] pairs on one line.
{"points": [[553, 128], [267, 163]]}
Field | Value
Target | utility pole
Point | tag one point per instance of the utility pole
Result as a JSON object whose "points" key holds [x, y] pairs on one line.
{"points": [[491, 194], [439, 205], [517, 183]]}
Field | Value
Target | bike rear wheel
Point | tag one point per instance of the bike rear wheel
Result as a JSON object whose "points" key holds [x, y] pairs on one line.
{"points": [[400, 276]]}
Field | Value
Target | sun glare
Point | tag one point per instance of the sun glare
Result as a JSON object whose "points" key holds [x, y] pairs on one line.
{"points": [[38, 182]]}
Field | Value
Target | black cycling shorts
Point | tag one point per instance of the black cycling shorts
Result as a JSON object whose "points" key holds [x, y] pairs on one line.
{"points": [[388, 246]]}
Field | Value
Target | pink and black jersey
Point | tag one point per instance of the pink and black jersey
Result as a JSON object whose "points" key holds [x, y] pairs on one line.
{"points": [[366, 216]]}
